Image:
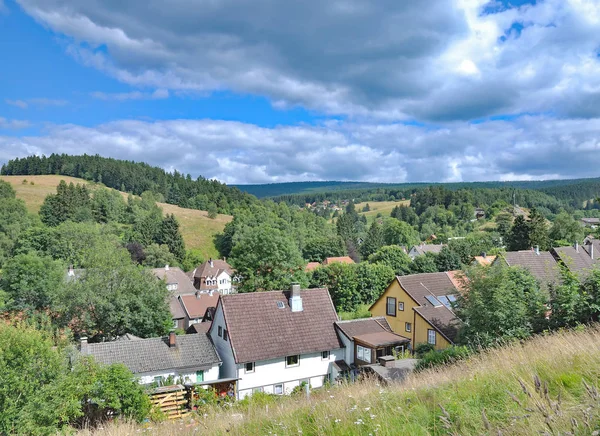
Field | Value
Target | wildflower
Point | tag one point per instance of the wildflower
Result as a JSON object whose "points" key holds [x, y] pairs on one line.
{"points": [[373, 416], [367, 409], [331, 396], [338, 420]]}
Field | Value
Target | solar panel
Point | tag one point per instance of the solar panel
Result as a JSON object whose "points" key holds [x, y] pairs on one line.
{"points": [[434, 301], [281, 304]]}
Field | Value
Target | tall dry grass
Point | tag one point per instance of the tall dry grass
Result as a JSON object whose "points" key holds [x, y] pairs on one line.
{"points": [[547, 385]]}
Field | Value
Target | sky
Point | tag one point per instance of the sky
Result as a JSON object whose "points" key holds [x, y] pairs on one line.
{"points": [[278, 91]]}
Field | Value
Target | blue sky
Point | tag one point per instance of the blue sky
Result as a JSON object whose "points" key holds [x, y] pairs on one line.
{"points": [[384, 91]]}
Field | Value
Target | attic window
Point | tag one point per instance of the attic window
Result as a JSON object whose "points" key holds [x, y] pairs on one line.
{"points": [[281, 304]]}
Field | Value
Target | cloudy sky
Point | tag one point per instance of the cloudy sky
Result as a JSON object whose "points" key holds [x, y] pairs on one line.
{"points": [[269, 90]]}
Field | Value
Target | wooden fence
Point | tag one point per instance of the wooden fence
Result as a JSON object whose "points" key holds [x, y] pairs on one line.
{"points": [[173, 401]]}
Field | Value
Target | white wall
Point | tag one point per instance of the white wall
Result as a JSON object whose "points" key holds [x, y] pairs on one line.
{"points": [[211, 374], [349, 348], [228, 367], [267, 373]]}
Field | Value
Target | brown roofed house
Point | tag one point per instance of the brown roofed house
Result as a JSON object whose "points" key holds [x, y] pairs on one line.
{"points": [[578, 259], [342, 259], [275, 341], [178, 283], [541, 264], [214, 275]]}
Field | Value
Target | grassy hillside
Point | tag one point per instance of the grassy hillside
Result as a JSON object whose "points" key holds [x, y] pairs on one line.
{"points": [[197, 229], [382, 207], [548, 385]]}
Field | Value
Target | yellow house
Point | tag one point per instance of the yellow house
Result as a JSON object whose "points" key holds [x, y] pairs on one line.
{"points": [[418, 306]]}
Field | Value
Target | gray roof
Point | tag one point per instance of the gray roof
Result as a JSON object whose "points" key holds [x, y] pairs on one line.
{"points": [[428, 248], [154, 354], [442, 319], [174, 275], [576, 259], [542, 266]]}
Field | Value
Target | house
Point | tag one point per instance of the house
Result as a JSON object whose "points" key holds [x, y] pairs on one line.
{"points": [[178, 283], [180, 359], [484, 259], [419, 250], [311, 266], [541, 264], [479, 213], [196, 306], [342, 259], [578, 259], [366, 340], [419, 306], [275, 341], [590, 222], [215, 275]]}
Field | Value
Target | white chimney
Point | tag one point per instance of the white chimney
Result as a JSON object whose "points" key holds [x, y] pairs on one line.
{"points": [[166, 267], [537, 250], [295, 298], [592, 251], [71, 272], [577, 246], [211, 263]]}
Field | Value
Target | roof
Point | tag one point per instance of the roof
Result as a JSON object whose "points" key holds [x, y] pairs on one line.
{"points": [[154, 354], [577, 260], [175, 307], [484, 260], [428, 248], [212, 268], [542, 266], [196, 305], [381, 339], [260, 330], [343, 259], [442, 319], [355, 327], [418, 286], [590, 220], [174, 275], [199, 327], [311, 266]]}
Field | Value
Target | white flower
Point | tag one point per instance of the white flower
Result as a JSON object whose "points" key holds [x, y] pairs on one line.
{"points": [[337, 420], [367, 409]]}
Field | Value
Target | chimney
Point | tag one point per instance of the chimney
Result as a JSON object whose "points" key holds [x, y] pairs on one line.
{"points": [[198, 295], [83, 345], [211, 263], [387, 361], [537, 250], [592, 250], [210, 293], [166, 267], [71, 272], [483, 254], [172, 339], [295, 298], [577, 246]]}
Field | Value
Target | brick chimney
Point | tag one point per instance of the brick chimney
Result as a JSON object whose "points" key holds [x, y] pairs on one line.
{"points": [[295, 298], [172, 339]]}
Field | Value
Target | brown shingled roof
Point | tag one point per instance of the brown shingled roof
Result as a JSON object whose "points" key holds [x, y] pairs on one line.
{"points": [[442, 319], [260, 330], [343, 259], [381, 339], [174, 275], [542, 266], [207, 270], [363, 326], [196, 305], [577, 260]]}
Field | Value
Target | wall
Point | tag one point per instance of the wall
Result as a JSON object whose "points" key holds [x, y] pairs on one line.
{"points": [[224, 288], [210, 374], [228, 367], [349, 347], [267, 373], [397, 323], [421, 334]]}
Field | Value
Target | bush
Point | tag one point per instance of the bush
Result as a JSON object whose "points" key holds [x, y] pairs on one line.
{"points": [[442, 357], [423, 348]]}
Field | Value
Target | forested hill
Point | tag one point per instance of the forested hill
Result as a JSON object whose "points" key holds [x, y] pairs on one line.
{"points": [[135, 178]]}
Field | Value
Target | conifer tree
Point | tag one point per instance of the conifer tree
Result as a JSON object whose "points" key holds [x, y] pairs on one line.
{"points": [[171, 237]]}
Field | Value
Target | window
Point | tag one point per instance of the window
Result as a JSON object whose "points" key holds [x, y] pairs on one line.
{"points": [[255, 390], [249, 367], [225, 335], [278, 389], [408, 327], [220, 332], [325, 355], [292, 361], [158, 380], [175, 324], [401, 306], [391, 306], [363, 353], [199, 376], [431, 336]]}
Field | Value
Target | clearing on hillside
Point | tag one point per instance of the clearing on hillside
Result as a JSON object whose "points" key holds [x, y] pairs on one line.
{"points": [[382, 207], [197, 229]]}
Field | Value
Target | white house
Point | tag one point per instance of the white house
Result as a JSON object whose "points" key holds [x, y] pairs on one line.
{"points": [[184, 359], [274, 341], [215, 275]]}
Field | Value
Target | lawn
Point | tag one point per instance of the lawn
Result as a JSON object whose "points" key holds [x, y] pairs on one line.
{"points": [[382, 207], [197, 229]]}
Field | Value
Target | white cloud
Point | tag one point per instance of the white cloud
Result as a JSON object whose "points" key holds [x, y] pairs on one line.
{"points": [[24, 104], [13, 124], [134, 95], [235, 152]]}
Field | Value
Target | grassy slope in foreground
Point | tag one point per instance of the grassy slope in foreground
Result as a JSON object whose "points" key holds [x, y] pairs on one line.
{"points": [[492, 393], [197, 229]]}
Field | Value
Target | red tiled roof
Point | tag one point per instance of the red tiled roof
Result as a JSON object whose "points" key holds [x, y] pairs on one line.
{"points": [[260, 330], [196, 305], [207, 270], [343, 259], [311, 266], [485, 261]]}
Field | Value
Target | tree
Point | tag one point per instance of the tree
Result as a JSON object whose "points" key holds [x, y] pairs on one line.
{"points": [[341, 281], [500, 303], [171, 237], [212, 211], [267, 259], [70, 203], [503, 223], [6, 190], [318, 248], [193, 258], [447, 260], [567, 302], [157, 256], [394, 257], [565, 230], [366, 208], [425, 263], [373, 241], [538, 230], [397, 232], [32, 282], [518, 238], [372, 280]]}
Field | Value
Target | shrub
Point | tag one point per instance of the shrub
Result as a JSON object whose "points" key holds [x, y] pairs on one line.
{"points": [[423, 348], [442, 357]]}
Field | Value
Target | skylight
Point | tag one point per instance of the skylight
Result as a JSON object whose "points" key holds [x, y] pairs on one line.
{"points": [[281, 304], [433, 301], [447, 300]]}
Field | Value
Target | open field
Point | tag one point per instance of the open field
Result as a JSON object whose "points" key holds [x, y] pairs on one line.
{"points": [[547, 385], [197, 229], [382, 207]]}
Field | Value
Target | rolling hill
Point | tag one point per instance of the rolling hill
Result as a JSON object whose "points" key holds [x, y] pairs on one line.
{"points": [[196, 228]]}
